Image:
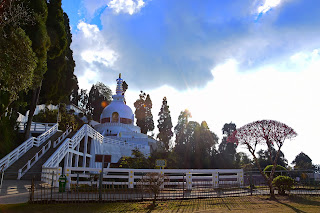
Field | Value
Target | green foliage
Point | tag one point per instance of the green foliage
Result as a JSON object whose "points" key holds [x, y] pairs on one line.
{"points": [[46, 116], [37, 33], [165, 124], [267, 170], [227, 151], [264, 158], [60, 80], [98, 94], [194, 143], [138, 161], [302, 161], [66, 119], [180, 128], [243, 161], [143, 113], [8, 133], [283, 183], [56, 29], [17, 59]]}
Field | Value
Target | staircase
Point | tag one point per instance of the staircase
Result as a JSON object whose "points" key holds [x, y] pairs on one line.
{"points": [[11, 173], [36, 169]]}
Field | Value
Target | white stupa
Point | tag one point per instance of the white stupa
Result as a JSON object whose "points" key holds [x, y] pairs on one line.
{"points": [[121, 136]]}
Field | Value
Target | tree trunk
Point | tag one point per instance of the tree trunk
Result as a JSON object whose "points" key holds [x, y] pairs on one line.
{"points": [[33, 105], [272, 195]]}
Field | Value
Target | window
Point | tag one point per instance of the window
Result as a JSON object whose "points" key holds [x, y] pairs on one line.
{"points": [[115, 117]]}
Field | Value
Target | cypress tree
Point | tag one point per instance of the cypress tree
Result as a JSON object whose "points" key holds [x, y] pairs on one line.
{"points": [[143, 113], [149, 116], [165, 124]]}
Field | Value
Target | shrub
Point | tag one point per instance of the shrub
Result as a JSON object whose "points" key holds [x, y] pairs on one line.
{"points": [[268, 169], [283, 183]]}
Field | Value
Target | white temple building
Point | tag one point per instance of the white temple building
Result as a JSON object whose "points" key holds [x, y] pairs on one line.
{"points": [[121, 136]]}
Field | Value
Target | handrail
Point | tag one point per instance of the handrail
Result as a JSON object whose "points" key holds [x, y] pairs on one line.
{"points": [[130, 177], [44, 149], [59, 154], [35, 126], [46, 135], [33, 160], [13, 156], [123, 143], [62, 137]]}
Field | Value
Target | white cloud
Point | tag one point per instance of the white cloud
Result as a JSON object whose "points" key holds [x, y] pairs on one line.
{"points": [[267, 93], [126, 6], [92, 53], [92, 6], [268, 4]]}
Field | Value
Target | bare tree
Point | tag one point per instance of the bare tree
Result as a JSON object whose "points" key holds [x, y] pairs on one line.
{"points": [[269, 132], [152, 183]]}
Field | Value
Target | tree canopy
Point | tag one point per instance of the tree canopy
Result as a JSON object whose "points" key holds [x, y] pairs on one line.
{"points": [[302, 161], [143, 113], [266, 132], [165, 124]]}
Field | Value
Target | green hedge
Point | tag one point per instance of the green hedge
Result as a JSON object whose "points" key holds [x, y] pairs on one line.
{"points": [[283, 183]]}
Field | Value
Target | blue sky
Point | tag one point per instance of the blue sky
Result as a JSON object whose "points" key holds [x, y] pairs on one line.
{"points": [[231, 60]]}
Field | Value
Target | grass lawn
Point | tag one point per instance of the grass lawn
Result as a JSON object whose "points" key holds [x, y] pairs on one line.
{"points": [[235, 204]]}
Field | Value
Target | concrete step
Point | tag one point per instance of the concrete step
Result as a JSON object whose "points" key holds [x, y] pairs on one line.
{"points": [[35, 171], [12, 172]]}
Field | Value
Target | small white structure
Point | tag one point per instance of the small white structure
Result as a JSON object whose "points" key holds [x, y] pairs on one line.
{"points": [[115, 135], [117, 127]]}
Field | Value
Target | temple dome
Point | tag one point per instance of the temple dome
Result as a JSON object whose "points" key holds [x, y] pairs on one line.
{"points": [[117, 111], [119, 107]]}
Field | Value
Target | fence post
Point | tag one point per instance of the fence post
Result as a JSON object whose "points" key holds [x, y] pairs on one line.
{"points": [[77, 181], [31, 191], [215, 179], [183, 185], [100, 185], [131, 179], [189, 181], [251, 184], [52, 183], [19, 174], [240, 178], [68, 172]]}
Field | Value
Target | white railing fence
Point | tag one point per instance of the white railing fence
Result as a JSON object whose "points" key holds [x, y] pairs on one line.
{"points": [[46, 135], [191, 178], [62, 137], [36, 127], [39, 154], [33, 160], [51, 175], [123, 143], [72, 143], [59, 154], [13, 156]]}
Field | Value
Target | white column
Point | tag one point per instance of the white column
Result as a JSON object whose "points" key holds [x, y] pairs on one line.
{"points": [[189, 180], [215, 179], [85, 147], [70, 159], [131, 179], [66, 160], [240, 178]]}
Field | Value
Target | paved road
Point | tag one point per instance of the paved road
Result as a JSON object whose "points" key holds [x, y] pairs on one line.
{"points": [[15, 191]]}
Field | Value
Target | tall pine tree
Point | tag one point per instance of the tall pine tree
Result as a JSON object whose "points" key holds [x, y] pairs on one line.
{"points": [[165, 124], [149, 116], [143, 113], [40, 45], [98, 93]]}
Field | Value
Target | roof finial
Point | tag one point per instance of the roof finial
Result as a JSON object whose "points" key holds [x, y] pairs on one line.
{"points": [[119, 75]]}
